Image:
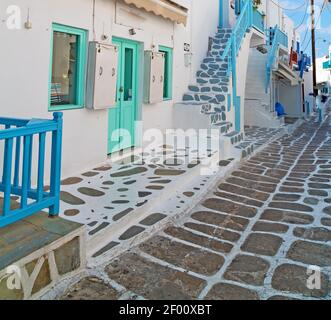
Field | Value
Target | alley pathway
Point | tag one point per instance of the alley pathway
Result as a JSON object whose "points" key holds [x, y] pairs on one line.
{"points": [[262, 234]]}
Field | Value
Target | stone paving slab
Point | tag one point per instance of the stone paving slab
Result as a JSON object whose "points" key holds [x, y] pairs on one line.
{"points": [[275, 220], [108, 195]]}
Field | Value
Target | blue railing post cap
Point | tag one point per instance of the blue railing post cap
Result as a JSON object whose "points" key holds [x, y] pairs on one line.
{"points": [[57, 115]]}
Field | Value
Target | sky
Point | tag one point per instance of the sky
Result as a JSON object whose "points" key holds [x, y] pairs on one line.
{"points": [[299, 12]]}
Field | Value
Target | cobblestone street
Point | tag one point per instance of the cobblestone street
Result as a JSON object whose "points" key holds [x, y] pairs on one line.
{"points": [[256, 236]]}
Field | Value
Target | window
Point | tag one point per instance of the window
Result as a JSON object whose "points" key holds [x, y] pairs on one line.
{"points": [[68, 62], [167, 90]]}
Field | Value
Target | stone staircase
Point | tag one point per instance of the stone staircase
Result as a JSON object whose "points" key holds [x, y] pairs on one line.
{"points": [[258, 111], [212, 80], [206, 103]]}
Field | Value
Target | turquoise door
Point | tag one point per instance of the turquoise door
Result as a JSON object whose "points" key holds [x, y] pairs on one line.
{"points": [[121, 132]]}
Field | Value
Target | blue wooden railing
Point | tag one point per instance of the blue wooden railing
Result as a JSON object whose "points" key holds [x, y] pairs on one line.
{"points": [[16, 139], [276, 38], [258, 20], [244, 22]]}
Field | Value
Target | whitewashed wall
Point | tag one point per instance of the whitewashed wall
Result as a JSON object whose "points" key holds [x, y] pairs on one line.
{"points": [[322, 75], [25, 62], [308, 80], [256, 77], [291, 99]]}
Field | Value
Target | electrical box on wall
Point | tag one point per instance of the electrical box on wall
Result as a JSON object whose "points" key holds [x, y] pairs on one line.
{"points": [[101, 76], [154, 77]]}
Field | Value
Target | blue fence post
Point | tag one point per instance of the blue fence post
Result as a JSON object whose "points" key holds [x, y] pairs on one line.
{"points": [[251, 13], [220, 18], [320, 115], [7, 175], [55, 184]]}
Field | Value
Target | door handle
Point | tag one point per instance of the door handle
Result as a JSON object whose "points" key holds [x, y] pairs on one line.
{"points": [[121, 90]]}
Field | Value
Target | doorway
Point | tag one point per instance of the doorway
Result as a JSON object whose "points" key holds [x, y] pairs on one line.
{"points": [[122, 118]]}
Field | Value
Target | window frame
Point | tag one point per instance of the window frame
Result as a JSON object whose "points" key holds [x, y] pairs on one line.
{"points": [[169, 51], [81, 66]]}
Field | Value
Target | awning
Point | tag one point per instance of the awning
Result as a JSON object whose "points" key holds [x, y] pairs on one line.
{"points": [[166, 8], [287, 73]]}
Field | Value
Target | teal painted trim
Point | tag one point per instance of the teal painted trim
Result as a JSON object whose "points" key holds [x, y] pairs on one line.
{"points": [[229, 102], [220, 22], [139, 72], [168, 77], [81, 66], [138, 82], [238, 114]]}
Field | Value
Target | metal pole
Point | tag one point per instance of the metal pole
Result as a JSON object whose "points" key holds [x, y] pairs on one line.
{"points": [[313, 47]]}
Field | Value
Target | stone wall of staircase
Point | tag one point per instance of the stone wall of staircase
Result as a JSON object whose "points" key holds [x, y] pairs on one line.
{"points": [[208, 103]]}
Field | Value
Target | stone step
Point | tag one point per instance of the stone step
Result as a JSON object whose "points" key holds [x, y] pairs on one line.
{"points": [[216, 66], [211, 74], [246, 148], [216, 54], [221, 29], [218, 118], [219, 44], [201, 97], [224, 33], [235, 137], [214, 60], [213, 81], [210, 109], [224, 127], [209, 89]]}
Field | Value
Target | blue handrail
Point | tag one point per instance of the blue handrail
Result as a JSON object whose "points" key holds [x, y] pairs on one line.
{"points": [[244, 22], [276, 38], [18, 136]]}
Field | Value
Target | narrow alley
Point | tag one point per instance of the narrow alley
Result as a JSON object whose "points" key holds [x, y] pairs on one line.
{"points": [[262, 234]]}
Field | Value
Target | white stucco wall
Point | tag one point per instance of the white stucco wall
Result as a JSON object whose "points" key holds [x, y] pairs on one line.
{"points": [[242, 67], [25, 61], [204, 22], [291, 99], [322, 75], [256, 75], [308, 80]]}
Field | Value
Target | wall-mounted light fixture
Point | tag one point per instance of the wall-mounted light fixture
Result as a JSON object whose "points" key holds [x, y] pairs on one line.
{"points": [[132, 32]]}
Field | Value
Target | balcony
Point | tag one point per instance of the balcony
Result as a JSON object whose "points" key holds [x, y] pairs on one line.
{"points": [[258, 20], [282, 38]]}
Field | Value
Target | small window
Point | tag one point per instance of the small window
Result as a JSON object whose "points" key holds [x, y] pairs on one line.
{"points": [[68, 62], [168, 54]]}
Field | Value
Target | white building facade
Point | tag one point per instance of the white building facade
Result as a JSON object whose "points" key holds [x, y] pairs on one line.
{"points": [[281, 70], [46, 68], [39, 34]]}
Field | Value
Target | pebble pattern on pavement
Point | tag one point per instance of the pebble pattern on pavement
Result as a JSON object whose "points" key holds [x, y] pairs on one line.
{"points": [[260, 234]]}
